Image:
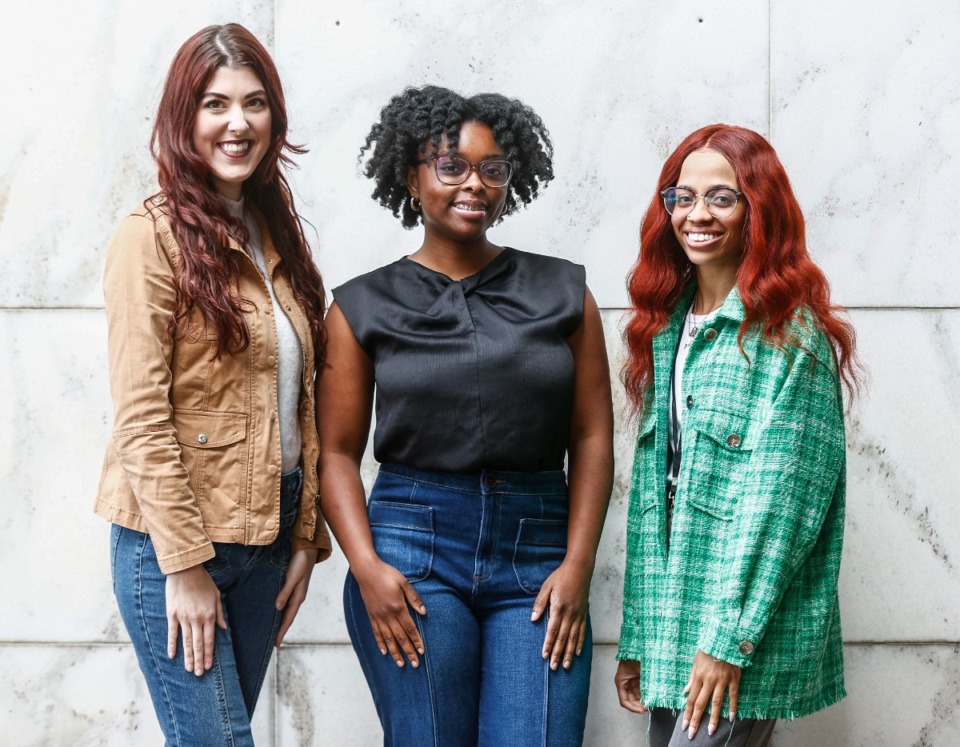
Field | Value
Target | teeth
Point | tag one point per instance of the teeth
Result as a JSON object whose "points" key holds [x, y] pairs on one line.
{"points": [[470, 208], [235, 148], [701, 236]]}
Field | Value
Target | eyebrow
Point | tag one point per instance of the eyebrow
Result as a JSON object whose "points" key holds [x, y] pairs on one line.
{"points": [[715, 186], [259, 92]]}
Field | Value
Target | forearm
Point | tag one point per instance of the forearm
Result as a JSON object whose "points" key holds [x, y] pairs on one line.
{"points": [[590, 480], [344, 506]]}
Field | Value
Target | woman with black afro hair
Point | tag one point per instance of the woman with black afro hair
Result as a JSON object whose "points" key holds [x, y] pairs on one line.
{"points": [[470, 566]]}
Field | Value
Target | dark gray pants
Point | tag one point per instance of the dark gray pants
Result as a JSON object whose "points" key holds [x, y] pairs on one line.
{"points": [[665, 731]]}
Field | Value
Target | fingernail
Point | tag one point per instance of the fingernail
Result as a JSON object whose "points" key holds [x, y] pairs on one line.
{"points": [[415, 663], [684, 724], [399, 662], [420, 650], [691, 732], [710, 729], [553, 666], [383, 651], [566, 664]]}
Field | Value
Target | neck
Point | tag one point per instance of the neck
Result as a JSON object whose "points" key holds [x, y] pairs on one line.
{"points": [[454, 259], [713, 287]]}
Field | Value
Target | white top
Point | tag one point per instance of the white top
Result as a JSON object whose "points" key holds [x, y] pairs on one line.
{"points": [[289, 353]]}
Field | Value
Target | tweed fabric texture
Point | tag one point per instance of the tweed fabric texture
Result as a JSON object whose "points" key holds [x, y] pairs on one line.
{"points": [[751, 573]]}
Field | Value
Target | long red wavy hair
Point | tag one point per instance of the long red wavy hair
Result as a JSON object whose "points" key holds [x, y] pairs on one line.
{"points": [[776, 277], [201, 222]]}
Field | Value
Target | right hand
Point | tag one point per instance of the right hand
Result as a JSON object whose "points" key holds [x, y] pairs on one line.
{"points": [[627, 680], [193, 607], [386, 593]]}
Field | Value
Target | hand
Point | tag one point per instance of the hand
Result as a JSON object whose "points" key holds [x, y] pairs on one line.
{"points": [[386, 594], [566, 591], [627, 680], [193, 606], [295, 587], [709, 679]]}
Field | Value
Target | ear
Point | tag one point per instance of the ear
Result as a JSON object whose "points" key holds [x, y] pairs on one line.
{"points": [[413, 181]]}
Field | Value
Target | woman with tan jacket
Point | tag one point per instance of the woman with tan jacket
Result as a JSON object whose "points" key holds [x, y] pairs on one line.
{"points": [[214, 311]]}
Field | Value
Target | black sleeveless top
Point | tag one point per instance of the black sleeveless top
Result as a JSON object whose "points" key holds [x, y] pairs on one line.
{"points": [[475, 373]]}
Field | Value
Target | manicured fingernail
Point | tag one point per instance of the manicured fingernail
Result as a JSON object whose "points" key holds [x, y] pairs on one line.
{"points": [[399, 662], [710, 729], [553, 666], [415, 663], [566, 664], [383, 651], [690, 732], [684, 724], [419, 649]]}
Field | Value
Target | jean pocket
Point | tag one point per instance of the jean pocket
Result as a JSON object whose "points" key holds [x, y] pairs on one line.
{"points": [[403, 537], [540, 549], [219, 562]]}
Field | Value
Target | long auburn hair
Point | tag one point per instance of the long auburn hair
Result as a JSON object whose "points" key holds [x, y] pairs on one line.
{"points": [[776, 277], [202, 224]]}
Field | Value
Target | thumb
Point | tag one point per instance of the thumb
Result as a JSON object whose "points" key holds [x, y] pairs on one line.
{"points": [[413, 599], [221, 620], [540, 603]]}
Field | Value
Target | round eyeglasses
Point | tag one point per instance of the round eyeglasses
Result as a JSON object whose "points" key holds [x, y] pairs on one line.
{"points": [[494, 172], [719, 201]]}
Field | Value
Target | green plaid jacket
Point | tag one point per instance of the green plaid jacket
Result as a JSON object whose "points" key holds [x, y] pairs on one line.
{"points": [[751, 572]]}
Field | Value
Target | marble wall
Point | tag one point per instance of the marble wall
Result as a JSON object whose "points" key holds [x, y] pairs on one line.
{"points": [[862, 102]]}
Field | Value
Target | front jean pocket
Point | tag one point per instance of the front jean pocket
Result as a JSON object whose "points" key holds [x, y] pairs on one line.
{"points": [[540, 549], [403, 537]]}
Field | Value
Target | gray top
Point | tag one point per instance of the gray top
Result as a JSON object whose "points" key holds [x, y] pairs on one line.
{"points": [[289, 352], [470, 374]]}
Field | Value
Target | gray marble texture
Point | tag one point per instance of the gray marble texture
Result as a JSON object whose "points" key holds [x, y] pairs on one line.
{"points": [[863, 106]]}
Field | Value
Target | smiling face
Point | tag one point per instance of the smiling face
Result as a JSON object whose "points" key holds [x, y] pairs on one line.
{"points": [[231, 131], [711, 244], [460, 213]]}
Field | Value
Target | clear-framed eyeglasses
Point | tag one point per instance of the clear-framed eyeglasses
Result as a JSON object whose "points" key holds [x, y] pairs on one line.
{"points": [[719, 201], [453, 170]]}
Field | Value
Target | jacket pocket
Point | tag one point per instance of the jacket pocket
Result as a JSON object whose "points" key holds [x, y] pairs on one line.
{"points": [[403, 537], [644, 478], [540, 549], [213, 450], [716, 466]]}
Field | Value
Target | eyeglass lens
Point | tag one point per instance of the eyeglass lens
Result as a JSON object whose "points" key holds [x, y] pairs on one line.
{"points": [[720, 202], [454, 170]]}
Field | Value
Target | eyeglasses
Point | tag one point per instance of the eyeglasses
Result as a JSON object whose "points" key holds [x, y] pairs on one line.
{"points": [[719, 201], [494, 172]]}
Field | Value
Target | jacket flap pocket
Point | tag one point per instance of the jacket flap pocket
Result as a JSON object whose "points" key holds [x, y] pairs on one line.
{"points": [[208, 430], [730, 430]]}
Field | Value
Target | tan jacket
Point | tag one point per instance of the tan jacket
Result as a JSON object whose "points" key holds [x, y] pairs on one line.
{"points": [[195, 450]]}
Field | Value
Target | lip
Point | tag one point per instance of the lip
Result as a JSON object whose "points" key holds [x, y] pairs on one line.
{"points": [[470, 208], [232, 154], [702, 239]]}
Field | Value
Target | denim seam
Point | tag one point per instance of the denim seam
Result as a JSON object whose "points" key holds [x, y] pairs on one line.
{"points": [[225, 722], [428, 670], [172, 719], [545, 716], [360, 649], [266, 659]]}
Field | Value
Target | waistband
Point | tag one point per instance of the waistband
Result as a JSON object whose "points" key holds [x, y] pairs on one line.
{"points": [[485, 481]]}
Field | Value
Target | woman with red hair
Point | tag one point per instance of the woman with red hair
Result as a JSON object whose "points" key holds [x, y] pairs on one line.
{"points": [[735, 524], [215, 324]]}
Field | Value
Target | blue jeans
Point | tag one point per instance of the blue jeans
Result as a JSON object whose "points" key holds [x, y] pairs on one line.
{"points": [[477, 548], [213, 709]]}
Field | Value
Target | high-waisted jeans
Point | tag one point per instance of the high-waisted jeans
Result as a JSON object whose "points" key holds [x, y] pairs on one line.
{"points": [[477, 548], [215, 708]]}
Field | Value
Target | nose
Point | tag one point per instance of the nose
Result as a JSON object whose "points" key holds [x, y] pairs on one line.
{"points": [[473, 180], [699, 212], [238, 120]]}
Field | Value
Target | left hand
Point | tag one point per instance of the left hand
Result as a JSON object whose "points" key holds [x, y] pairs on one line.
{"points": [[295, 586], [567, 592], [709, 680]]}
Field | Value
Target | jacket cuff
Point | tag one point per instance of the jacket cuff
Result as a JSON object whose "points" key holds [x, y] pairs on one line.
{"points": [[728, 643], [629, 648], [320, 541], [187, 559]]}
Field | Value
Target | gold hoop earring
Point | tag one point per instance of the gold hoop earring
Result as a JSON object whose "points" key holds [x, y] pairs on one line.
{"points": [[415, 204]]}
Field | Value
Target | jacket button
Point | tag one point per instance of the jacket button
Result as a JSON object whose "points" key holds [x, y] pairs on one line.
{"points": [[733, 440], [271, 360], [269, 524], [202, 438], [746, 648], [710, 334], [272, 469], [689, 401]]}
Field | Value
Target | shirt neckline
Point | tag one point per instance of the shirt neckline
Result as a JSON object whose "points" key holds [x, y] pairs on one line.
{"points": [[468, 279]]}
